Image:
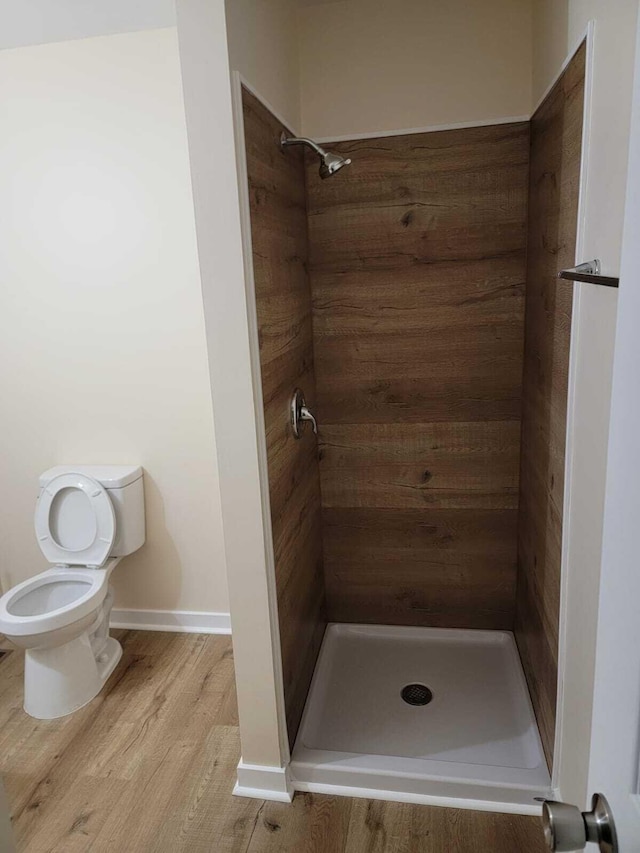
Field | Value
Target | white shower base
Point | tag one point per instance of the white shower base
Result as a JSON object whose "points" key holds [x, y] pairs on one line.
{"points": [[475, 745]]}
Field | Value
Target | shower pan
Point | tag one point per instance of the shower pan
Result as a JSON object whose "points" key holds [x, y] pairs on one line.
{"points": [[420, 713]]}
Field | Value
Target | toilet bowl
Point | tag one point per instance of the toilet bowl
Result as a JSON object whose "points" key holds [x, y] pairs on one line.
{"points": [[87, 518]]}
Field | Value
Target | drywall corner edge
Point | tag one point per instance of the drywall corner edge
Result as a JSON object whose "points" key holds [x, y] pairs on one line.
{"points": [[204, 57], [588, 36], [237, 84]]}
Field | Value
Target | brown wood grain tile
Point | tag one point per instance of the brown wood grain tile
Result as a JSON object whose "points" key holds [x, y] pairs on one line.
{"points": [[418, 466], [420, 566], [417, 260], [556, 148], [283, 303]]}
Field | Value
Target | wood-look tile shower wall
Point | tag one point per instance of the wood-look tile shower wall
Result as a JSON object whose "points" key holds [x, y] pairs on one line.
{"points": [[556, 149], [418, 253], [283, 303]]}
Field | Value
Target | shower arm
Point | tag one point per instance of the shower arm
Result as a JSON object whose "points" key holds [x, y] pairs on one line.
{"points": [[301, 140]]}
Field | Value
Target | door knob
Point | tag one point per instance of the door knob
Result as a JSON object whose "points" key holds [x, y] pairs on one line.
{"points": [[566, 828], [299, 413]]}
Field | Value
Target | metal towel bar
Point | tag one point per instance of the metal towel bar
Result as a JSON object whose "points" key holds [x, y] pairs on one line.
{"points": [[589, 272]]}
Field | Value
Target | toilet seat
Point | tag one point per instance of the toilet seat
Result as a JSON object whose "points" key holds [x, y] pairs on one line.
{"points": [[80, 602], [97, 552]]}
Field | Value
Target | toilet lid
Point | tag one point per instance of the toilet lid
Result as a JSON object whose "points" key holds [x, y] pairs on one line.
{"points": [[97, 516]]}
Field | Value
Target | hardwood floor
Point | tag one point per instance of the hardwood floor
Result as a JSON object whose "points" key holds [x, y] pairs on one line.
{"points": [[149, 766]]}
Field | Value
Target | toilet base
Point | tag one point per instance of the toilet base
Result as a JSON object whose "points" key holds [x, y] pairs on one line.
{"points": [[60, 680]]}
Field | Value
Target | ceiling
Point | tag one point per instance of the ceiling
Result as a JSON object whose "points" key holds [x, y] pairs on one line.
{"points": [[25, 22]]}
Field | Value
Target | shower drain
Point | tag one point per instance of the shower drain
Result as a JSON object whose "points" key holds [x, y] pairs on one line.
{"points": [[416, 694]]}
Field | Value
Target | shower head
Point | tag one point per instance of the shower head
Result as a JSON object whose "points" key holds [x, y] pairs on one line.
{"points": [[329, 163]]}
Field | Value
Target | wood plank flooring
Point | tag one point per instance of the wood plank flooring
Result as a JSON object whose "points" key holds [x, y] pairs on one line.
{"points": [[149, 765]]}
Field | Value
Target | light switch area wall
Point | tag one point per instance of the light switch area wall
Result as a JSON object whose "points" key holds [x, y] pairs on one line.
{"points": [[102, 343]]}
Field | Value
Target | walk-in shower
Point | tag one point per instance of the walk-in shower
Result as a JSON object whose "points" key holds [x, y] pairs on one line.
{"points": [[413, 307], [329, 163]]}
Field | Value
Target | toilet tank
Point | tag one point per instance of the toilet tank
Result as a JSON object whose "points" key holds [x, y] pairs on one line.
{"points": [[124, 485]]}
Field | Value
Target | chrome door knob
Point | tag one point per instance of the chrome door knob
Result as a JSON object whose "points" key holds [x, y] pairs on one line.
{"points": [[566, 828], [299, 413]]}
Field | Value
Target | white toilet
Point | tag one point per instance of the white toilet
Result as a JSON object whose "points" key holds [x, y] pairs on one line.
{"points": [[87, 517]]}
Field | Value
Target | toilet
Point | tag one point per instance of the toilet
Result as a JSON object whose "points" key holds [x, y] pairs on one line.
{"points": [[87, 518]]}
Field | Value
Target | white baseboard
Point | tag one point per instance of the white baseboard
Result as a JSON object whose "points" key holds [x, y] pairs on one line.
{"points": [[263, 783], [181, 621]]}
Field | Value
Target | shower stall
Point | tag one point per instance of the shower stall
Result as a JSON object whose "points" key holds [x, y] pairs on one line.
{"points": [[413, 343]]}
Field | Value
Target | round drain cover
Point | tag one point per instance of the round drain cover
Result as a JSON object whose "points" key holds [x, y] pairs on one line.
{"points": [[416, 694]]}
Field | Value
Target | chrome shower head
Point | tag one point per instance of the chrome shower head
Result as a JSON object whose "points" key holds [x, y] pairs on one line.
{"points": [[329, 163]]}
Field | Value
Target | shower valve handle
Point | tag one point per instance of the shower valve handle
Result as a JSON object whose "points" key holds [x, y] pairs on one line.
{"points": [[300, 413], [305, 415]]}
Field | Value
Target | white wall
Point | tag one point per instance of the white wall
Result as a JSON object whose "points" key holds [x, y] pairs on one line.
{"points": [[205, 70], [558, 25], [383, 65], [615, 745], [102, 344], [342, 67], [264, 47]]}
